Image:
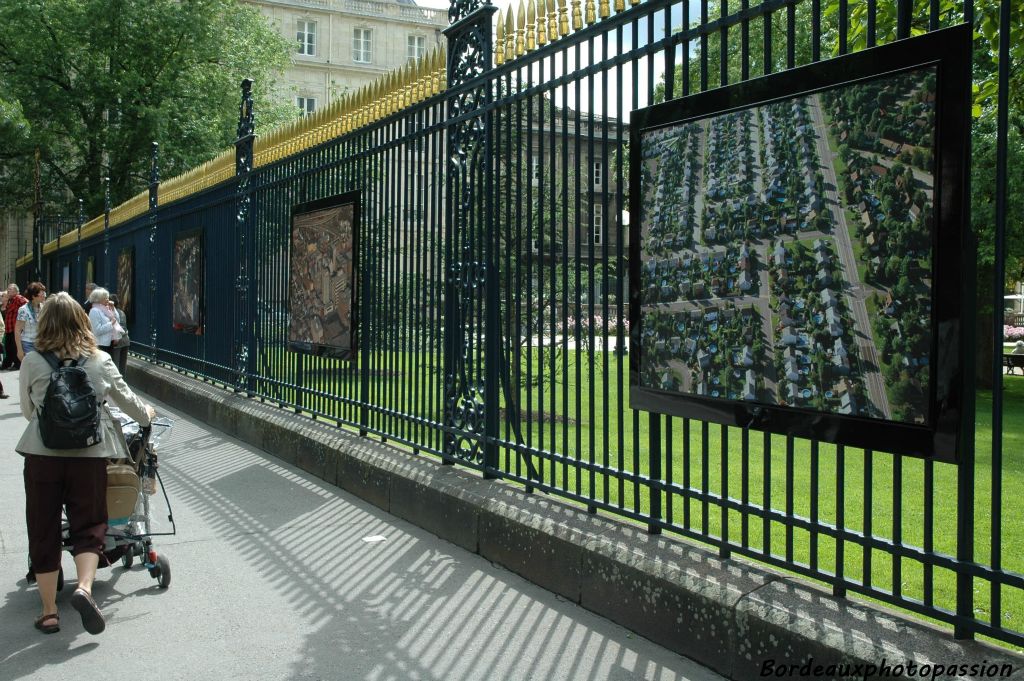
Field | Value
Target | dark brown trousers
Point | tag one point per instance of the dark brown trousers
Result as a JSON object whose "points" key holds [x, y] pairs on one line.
{"points": [[55, 482]]}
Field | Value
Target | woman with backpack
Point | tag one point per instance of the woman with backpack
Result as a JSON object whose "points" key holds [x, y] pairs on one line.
{"points": [[75, 478]]}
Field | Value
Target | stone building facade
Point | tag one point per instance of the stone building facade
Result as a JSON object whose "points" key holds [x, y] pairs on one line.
{"points": [[341, 45]]}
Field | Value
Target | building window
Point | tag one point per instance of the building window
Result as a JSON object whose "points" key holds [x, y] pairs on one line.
{"points": [[535, 171], [305, 34], [598, 231], [417, 47], [307, 105], [361, 45], [598, 174]]}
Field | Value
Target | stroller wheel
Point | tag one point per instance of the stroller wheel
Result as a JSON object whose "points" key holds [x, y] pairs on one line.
{"points": [[161, 572], [128, 557]]}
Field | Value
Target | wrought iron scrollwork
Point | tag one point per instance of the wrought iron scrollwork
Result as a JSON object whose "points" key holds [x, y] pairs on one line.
{"points": [[469, 57], [460, 9], [154, 190], [243, 202]]}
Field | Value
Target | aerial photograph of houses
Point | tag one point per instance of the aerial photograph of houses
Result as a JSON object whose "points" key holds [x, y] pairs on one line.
{"points": [[786, 251]]}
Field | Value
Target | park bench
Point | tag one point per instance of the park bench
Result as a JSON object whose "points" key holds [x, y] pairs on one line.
{"points": [[1013, 362]]}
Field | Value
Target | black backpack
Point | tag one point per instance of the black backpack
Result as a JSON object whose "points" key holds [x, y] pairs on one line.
{"points": [[70, 417]]}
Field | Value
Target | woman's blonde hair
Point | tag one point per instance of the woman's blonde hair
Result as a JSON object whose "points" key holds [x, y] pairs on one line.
{"points": [[64, 328]]}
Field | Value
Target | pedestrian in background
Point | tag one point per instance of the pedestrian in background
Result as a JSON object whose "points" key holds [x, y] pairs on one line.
{"points": [[71, 478], [3, 309], [124, 341], [28, 319], [14, 302], [105, 324], [89, 288]]}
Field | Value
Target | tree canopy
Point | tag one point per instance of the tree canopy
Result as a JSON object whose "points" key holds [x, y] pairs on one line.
{"points": [[91, 83]]}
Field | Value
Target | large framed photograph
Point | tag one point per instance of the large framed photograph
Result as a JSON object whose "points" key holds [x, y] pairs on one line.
{"points": [[797, 262], [126, 280], [187, 278], [323, 263]]}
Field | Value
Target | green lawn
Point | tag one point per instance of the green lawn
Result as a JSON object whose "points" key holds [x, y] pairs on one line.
{"points": [[582, 422]]}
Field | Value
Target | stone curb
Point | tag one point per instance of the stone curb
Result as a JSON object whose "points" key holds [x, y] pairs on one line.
{"points": [[739, 619]]}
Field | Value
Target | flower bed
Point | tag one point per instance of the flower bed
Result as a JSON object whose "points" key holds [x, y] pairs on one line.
{"points": [[1013, 333]]}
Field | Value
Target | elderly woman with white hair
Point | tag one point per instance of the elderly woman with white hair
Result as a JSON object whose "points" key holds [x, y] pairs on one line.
{"points": [[105, 324]]}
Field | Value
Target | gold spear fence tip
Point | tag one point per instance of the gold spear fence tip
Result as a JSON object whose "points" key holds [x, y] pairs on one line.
{"points": [[531, 25], [510, 34], [499, 40], [542, 24], [552, 15], [620, 6], [604, 10], [563, 19], [521, 30]]}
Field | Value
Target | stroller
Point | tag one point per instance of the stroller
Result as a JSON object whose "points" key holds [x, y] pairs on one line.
{"points": [[131, 486]]}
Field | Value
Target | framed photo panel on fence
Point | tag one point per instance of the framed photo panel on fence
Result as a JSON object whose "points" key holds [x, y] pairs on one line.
{"points": [[797, 262], [187, 278], [90, 270], [323, 262], [126, 280], [65, 277]]}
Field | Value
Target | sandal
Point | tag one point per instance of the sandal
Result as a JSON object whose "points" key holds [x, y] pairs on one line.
{"points": [[92, 618], [48, 628]]}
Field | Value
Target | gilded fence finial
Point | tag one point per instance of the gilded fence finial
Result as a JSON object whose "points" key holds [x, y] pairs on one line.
{"points": [[521, 30], [591, 12], [542, 24], [577, 16], [435, 72], [531, 25], [510, 35], [499, 41], [563, 19], [405, 87], [620, 6], [604, 10], [419, 92], [552, 15], [634, 3]]}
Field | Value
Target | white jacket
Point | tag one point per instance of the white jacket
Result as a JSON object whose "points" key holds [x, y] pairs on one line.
{"points": [[102, 325], [106, 381]]}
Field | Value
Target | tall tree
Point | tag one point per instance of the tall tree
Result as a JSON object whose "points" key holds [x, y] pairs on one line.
{"points": [[91, 83]]}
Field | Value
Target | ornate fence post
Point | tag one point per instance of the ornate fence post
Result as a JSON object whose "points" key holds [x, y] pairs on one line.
{"points": [[78, 242], [471, 292], [37, 219], [154, 200], [106, 233], [243, 223]]}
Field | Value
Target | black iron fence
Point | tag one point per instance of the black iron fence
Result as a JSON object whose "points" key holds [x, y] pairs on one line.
{"points": [[492, 290]]}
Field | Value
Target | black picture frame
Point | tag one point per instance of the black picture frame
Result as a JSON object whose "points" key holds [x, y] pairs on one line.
{"points": [[187, 282], [126, 281], [944, 420], [324, 248]]}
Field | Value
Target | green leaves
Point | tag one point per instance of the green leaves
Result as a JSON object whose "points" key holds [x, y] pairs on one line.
{"points": [[96, 81]]}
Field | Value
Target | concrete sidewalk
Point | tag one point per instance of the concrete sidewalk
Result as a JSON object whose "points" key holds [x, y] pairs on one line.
{"points": [[277, 576]]}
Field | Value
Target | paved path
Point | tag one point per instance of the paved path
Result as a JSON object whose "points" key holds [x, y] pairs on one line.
{"points": [[272, 578]]}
